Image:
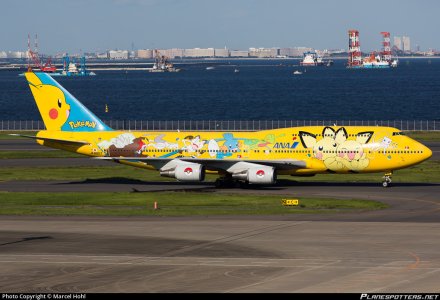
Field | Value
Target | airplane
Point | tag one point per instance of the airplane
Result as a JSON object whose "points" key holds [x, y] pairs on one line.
{"points": [[238, 157]]}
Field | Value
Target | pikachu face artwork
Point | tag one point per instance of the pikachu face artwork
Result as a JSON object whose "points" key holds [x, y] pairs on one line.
{"points": [[51, 103]]}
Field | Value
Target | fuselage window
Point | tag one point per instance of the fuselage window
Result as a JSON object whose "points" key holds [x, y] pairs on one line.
{"points": [[398, 133]]}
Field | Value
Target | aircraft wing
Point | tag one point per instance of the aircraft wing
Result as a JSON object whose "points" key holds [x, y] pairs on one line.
{"points": [[60, 141], [220, 164]]}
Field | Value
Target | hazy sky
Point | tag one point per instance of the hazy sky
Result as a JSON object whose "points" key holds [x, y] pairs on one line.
{"points": [[90, 25]]}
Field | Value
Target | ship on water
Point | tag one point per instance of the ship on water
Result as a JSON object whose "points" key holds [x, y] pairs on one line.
{"points": [[162, 64], [377, 61], [311, 58]]}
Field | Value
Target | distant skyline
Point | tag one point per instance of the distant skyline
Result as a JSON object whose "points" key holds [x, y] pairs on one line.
{"points": [[99, 25]]}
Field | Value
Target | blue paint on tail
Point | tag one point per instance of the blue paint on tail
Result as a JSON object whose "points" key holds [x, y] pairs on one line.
{"points": [[80, 117]]}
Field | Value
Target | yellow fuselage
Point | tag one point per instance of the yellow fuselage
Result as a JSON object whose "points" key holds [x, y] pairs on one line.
{"points": [[323, 149]]}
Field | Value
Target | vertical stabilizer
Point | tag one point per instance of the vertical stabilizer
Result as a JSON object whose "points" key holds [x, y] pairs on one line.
{"points": [[59, 109]]}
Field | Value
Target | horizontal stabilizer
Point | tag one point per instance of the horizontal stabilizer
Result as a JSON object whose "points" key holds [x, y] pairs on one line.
{"points": [[60, 141]]}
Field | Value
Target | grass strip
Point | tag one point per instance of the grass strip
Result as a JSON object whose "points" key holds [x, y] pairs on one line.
{"points": [[170, 204]]}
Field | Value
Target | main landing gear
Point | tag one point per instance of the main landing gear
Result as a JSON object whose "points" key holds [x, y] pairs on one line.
{"points": [[387, 179], [225, 182], [228, 182]]}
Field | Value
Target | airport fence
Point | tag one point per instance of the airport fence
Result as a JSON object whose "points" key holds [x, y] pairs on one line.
{"points": [[231, 125]]}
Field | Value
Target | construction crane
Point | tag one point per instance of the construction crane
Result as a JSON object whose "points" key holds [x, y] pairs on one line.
{"points": [[47, 67]]}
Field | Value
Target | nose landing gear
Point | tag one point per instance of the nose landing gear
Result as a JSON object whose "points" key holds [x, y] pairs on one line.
{"points": [[387, 179]]}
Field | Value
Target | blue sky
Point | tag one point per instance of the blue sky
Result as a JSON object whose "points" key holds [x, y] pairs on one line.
{"points": [[91, 25]]}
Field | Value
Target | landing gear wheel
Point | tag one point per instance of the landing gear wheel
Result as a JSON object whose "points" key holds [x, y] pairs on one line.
{"points": [[224, 183], [243, 184], [219, 183], [386, 180]]}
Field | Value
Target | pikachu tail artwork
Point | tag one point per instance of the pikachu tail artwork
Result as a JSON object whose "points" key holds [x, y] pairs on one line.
{"points": [[254, 157]]}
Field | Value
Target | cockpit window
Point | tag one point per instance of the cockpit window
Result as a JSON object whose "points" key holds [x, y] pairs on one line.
{"points": [[398, 133]]}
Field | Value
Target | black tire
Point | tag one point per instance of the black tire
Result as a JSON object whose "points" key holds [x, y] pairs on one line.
{"points": [[219, 183], [243, 184]]}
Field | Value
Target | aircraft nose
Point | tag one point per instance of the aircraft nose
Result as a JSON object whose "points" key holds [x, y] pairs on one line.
{"points": [[426, 152]]}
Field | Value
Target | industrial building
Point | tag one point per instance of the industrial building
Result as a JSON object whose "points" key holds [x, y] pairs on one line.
{"points": [[239, 53], [406, 44], [199, 52], [264, 52], [398, 42], [118, 54], [221, 52], [295, 51], [402, 43], [144, 53]]}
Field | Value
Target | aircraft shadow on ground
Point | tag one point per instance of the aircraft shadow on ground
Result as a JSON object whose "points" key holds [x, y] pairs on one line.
{"points": [[27, 239], [210, 185], [351, 184]]}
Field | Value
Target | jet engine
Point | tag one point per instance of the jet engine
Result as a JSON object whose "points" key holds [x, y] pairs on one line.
{"points": [[257, 175], [186, 172]]}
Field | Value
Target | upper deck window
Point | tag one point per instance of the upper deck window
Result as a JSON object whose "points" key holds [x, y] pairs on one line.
{"points": [[398, 133]]}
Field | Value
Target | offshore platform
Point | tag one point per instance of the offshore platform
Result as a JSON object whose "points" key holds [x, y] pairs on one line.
{"points": [[382, 59]]}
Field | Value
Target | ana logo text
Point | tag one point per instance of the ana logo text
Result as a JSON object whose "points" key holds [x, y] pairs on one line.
{"points": [[82, 124], [286, 145]]}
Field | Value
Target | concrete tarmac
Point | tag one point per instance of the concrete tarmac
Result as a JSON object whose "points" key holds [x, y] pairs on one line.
{"points": [[73, 254]]}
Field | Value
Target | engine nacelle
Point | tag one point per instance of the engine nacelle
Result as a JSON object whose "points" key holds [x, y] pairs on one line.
{"points": [[186, 172], [257, 175]]}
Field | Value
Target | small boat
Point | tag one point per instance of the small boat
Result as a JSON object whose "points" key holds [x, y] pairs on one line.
{"points": [[236, 70], [210, 68], [311, 58], [297, 72]]}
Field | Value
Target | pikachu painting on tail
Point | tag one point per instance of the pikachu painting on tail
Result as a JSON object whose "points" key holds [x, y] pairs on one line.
{"points": [[51, 102], [60, 110]]}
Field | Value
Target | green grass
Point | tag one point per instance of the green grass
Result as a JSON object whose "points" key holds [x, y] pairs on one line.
{"points": [[424, 136], [79, 173], [170, 204], [427, 171], [38, 154]]}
